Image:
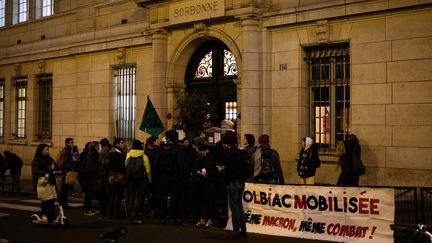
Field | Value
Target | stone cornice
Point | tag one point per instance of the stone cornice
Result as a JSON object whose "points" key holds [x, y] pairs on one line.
{"points": [[334, 9], [25, 52]]}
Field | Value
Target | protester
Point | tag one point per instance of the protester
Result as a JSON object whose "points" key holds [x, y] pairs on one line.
{"points": [[152, 150], [138, 177], [206, 172], [266, 163], [92, 168], [248, 144], [169, 168], [42, 166], [66, 164], [105, 147], [189, 183], [14, 163], [235, 170], [308, 161], [348, 177], [117, 171]]}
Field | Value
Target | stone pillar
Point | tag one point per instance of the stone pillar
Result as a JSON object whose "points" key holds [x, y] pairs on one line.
{"points": [[159, 65], [249, 84]]}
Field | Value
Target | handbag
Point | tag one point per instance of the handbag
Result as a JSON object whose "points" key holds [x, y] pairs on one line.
{"points": [[116, 178], [71, 177], [45, 190]]}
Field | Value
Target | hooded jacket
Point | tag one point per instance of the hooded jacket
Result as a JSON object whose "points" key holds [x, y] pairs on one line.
{"points": [[137, 153]]}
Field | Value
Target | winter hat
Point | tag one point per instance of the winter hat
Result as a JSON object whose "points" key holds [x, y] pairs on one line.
{"points": [[264, 139]]}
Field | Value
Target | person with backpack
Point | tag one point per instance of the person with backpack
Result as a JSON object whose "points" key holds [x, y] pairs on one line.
{"points": [[350, 174], [308, 161], [266, 163], [138, 177]]}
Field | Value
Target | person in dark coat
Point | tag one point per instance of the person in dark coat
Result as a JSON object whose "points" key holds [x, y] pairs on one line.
{"points": [[116, 166], [235, 171], [169, 168], [14, 164], [264, 150], [66, 165], [43, 165], [152, 150], [347, 176], [308, 161], [92, 168], [206, 172]]}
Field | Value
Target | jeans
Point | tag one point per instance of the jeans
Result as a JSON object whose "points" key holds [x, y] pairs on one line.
{"points": [[235, 191], [137, 191]]}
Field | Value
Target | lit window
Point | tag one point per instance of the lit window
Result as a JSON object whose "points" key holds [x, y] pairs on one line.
{"points": [[2, 13], [45, 106], [231, 111], [205, 67], [125, 102], [21, 106], [230, 64], [329, 82]]}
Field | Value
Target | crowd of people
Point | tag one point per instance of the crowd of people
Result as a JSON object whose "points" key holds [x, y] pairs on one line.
{"points": [[176, 180]]}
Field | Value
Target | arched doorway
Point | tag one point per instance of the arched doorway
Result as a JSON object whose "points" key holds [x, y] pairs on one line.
{"points": [[211, 72]]}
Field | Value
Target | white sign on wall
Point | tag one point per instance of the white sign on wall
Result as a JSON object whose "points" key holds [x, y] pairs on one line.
{"points": [[196, 10], [352, 214]]}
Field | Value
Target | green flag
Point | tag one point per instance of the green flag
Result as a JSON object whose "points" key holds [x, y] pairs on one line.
{"points": [[151, 123]]}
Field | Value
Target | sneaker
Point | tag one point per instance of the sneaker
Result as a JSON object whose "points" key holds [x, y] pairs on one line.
{"points": [[95, 211], [200, 223], [136, 221], [44, 218], [209, 223], [89, 213]]}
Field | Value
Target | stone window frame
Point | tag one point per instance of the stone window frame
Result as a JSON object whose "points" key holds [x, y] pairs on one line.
{"points": [[45, 103], [2, 13], [21, 95], [329, 94]]}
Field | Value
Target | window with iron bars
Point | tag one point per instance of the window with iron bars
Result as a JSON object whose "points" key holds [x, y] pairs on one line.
{"points": [[21, 106], [45, 106], [329, 92], [125, 84], [2, 94]]}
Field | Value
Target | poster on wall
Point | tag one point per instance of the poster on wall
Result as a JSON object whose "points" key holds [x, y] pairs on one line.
{"points": [[341, 214]]}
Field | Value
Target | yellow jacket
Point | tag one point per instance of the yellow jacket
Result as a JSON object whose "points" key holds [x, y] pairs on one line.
{"points": [[137, 153]]}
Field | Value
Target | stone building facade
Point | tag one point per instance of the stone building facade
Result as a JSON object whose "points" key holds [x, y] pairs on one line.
{"points": [[315, 68]]}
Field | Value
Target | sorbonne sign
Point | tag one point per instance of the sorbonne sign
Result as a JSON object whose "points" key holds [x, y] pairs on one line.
{"points": [[196, 10]]}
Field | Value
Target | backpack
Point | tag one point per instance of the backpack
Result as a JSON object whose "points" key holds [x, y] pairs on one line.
{"points": [[135, 170], [267, 169], [358, 167], [165, 162]]}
